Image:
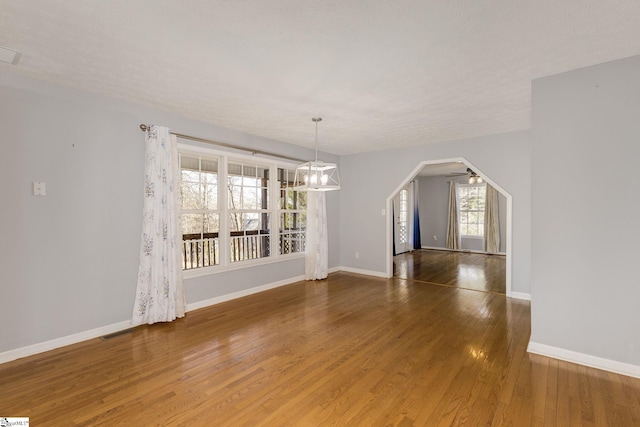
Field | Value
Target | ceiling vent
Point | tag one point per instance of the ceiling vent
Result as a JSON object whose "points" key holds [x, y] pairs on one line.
{"points": [[9, 56]]}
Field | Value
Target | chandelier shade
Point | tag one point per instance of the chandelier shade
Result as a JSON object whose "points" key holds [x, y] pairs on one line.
{"points": [[317, 175]]}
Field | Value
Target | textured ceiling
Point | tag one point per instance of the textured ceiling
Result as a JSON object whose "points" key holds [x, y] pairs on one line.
{"points": [[382, 73], [446, 169]]}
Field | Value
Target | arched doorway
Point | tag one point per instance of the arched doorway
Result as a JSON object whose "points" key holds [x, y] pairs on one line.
{"points": [[465, 164]]}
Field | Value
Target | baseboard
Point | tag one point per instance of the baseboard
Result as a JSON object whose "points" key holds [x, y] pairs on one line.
{"points": [[247, 292], [30, 350], [520, 295], [365, 272], [584, 359], [240, 294]]}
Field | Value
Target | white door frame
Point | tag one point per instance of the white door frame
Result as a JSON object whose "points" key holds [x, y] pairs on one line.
{"points": [[389, 269]]}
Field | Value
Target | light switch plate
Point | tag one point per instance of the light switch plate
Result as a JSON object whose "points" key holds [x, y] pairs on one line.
{"points": [[39, 188]]}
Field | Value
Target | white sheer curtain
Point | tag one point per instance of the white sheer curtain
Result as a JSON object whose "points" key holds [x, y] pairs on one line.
{"points": [[317, 249], [453, 228], [160, 293], [491, 221]]}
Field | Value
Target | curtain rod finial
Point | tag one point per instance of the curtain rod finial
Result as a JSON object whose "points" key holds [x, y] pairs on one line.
{"points": [[144, 127]]}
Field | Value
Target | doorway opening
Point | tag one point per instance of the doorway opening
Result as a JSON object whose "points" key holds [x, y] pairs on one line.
{"points": [[403, 220], [441, 165]]}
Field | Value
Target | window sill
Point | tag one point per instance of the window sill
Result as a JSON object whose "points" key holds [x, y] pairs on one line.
{"points": [[472, 237], [205, 271]]}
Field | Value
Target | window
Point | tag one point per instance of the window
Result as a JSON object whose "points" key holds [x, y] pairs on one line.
{"points": [[249, 212], [229, 215], [471, 201], [293, 214], [403, 216], [200, 216]]}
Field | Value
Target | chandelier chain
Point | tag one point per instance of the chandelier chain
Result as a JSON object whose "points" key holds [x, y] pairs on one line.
{"points": [[316, 120]]}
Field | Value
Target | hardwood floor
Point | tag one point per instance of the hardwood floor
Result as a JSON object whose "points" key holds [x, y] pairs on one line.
{"points": [[460, 269], [348, 351]]}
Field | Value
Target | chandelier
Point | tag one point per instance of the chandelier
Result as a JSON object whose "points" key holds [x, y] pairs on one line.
{"points": [[317, 175]]}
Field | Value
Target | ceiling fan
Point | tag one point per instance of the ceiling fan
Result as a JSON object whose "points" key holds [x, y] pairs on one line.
{"points": [[474, 178]]}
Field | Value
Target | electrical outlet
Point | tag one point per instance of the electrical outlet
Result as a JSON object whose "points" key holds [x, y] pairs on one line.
{"points": [[357, 255], [435, 237]]}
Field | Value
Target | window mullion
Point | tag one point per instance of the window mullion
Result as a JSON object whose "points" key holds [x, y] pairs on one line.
{"points": [[223, 194], [274, 198], [200, 201]]}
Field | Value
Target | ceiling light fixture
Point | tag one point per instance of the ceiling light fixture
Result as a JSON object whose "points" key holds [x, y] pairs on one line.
{"points": [[317, 175], [474, 178]]}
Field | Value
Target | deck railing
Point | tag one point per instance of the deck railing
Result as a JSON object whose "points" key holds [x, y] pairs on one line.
{"points": [[249, 245], [204, 250], [292, 241], [200, 252]]}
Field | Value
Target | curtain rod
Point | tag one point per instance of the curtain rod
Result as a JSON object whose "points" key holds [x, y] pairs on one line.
{"points": [[144, 128]]}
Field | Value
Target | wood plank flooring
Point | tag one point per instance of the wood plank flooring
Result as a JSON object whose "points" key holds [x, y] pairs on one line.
{"points": [[348, 351], [466, 270]]}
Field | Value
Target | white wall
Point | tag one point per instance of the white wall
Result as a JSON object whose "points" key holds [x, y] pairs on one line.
{"points": [[370, 178], [434, 206], [69, 260], [585, 253]]}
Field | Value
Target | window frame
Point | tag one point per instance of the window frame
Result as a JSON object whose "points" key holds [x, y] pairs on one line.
{"points": [[224, 158], [204, 211], [241, 210], [296, 212]]}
